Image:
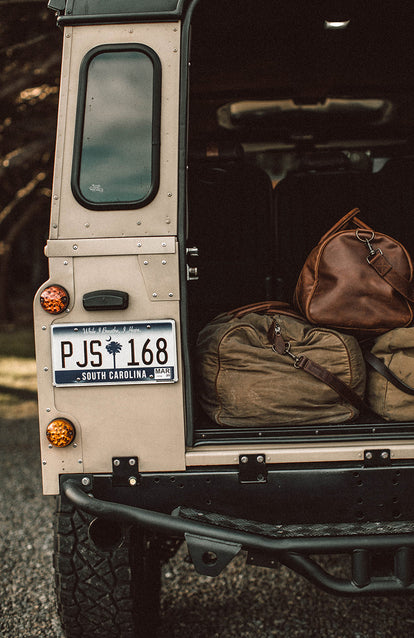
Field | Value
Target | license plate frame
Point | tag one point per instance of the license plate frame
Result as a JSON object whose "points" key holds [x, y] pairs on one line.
{"points": [[114, 353]]}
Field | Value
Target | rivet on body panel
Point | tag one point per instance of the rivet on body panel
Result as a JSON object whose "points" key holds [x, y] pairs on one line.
{"points": [[75, 247], [154, 294], [146, 262]]}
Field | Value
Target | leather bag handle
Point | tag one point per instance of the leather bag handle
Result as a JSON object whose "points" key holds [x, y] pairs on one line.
{"points": [[349, 218], [264, 308]]}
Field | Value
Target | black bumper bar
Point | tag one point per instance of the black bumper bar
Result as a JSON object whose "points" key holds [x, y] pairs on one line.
{"points": [[211, 547]]}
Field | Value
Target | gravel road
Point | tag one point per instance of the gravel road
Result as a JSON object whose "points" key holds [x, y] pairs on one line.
{"points": [[242, 603]]}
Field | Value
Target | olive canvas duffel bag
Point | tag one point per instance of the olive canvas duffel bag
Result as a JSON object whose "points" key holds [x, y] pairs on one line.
{"points": [[264, 365], [390, 375]]}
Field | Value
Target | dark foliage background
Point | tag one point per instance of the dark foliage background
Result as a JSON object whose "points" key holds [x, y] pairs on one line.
{"points": [[30, 53]]}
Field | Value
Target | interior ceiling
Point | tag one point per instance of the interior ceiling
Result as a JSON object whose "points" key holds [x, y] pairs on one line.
{"points": [[244, 49], [283, 46]]}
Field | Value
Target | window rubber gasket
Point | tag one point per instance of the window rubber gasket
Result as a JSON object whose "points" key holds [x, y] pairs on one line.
{"points": [[79, 128]]}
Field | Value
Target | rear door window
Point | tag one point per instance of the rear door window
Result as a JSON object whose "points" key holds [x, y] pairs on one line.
{"points": [[116, 155]]}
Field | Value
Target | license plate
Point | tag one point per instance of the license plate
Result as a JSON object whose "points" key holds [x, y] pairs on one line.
{"points": [[114, 353]]}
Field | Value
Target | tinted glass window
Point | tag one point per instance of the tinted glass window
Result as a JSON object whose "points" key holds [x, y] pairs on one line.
{"points": [[115, 162]]}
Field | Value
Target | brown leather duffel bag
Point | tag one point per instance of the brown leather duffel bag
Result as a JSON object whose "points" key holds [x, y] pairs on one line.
{"points": [[356, 280], [263, 365]]}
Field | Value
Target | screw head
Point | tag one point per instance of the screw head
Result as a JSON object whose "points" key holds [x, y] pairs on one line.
{"points": [[368, 455], [86, 480], [132, 481], [260, 459], [131, 461], [244, 459], [117, 462], [384, 454]]}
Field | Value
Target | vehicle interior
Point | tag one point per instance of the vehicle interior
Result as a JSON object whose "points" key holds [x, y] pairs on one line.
{"points": [[298, 112]]}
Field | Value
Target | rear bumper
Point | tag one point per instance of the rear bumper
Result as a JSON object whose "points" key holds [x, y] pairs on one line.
{"points": [[214, 539]]}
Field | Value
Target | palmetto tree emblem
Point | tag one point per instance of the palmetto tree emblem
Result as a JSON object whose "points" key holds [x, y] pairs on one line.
{"points": [[113, 348]]}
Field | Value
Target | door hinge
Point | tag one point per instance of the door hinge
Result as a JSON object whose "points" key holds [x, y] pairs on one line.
{"points": [[377, 457], [125, 471], [252, 468]]}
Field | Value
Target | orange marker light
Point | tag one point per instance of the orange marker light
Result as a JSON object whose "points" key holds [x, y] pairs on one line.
{"points": [[60, 432], [54, 299]]}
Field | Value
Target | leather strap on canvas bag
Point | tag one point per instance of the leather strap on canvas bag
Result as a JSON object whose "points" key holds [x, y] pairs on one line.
{"points": [[302, 362], [379, 366], [334, 382]]}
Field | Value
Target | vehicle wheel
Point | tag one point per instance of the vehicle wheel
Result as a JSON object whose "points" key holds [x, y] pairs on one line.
{"points": [[107, 576]]}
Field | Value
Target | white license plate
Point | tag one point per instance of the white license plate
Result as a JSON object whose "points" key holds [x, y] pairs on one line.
{"points": [[114, 353]]}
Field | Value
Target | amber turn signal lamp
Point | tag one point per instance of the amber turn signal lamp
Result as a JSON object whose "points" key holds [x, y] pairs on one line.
{"points": [[60, 432], [54, 299]]}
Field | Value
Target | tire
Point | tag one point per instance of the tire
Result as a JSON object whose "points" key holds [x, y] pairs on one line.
{"points": [[109, 586]]}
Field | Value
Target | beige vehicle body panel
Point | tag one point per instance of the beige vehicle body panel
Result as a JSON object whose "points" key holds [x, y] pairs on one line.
{"points": [[134, 251], [138, 255]]}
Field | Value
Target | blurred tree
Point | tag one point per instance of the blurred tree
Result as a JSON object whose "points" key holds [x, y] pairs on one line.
{"points": [[30, 49]]}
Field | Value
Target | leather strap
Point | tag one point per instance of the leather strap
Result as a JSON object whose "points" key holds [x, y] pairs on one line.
{"points": [[345, 221], [384, 269], [281, 346], [379, 366], [265, 308], [341, 388]]}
